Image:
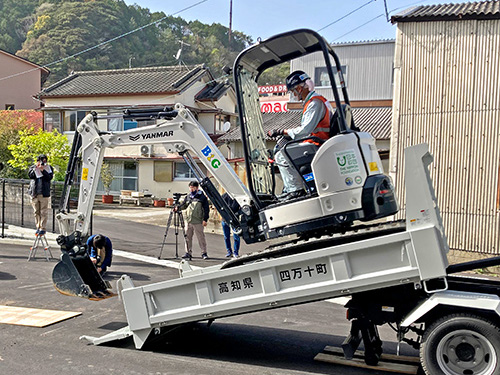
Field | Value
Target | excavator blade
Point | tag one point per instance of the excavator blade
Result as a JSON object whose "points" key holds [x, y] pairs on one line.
{"points": [[77, 276]]}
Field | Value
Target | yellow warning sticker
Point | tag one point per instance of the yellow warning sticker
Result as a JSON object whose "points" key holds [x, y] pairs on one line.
{"points": [[373, 166], [85, 174]]}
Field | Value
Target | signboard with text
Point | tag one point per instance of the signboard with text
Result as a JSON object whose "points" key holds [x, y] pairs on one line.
{"points": [[272, 89], [274, 106]]}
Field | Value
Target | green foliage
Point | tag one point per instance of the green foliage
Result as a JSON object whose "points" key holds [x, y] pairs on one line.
{"points": [[30, 145], [45, 31], [11, 122], [106, 177], [15, 21], [275, 75]]}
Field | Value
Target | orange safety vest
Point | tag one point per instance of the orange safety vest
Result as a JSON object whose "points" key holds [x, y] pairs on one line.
{"points": [[322, 129]]}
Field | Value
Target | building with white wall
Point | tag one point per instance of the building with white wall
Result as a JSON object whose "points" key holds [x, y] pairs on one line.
{"points": [[111, 91]]}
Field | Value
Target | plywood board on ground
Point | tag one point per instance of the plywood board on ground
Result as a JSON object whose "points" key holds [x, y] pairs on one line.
{"points": [[25, 316]]}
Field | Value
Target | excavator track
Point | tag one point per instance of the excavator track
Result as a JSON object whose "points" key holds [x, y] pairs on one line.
{"points": [[296, 246]]}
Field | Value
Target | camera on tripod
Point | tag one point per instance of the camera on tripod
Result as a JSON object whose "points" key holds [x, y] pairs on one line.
{"points": [[177, 197], [178, 221]]}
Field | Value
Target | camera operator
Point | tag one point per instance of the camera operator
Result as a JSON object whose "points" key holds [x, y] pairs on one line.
{"points": [[197, 212], [40, 174]]}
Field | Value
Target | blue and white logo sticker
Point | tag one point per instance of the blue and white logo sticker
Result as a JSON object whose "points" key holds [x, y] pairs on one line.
{"points": [[348, 181], [309, 177]]}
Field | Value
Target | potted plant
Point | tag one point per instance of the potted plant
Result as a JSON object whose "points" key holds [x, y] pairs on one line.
{"points": [[107, 178], [158, 202]]}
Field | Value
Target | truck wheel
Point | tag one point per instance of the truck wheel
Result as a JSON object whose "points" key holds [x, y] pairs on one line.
{"points": [[461, 344]]}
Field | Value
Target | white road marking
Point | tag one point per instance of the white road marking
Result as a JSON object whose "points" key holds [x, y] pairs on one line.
{"points": [[152, 260]]}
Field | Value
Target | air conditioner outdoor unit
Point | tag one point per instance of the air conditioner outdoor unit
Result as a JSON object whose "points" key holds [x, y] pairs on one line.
{"points": [[147, 150]]}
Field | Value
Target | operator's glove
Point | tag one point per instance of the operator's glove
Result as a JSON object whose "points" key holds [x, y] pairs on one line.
{"points": [[275, 133]]}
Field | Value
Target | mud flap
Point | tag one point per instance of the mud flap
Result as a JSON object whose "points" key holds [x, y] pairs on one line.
{"points": [[77, 276]]}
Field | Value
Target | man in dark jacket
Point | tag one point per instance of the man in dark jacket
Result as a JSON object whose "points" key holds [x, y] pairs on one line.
{"points": [[40, 174], [197, 212], [100, 251]]}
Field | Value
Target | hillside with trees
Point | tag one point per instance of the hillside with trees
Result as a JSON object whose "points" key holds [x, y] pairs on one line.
{"points": [[48, 31]]}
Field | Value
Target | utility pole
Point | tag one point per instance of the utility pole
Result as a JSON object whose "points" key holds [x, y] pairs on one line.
{"points": [[230, 20]]}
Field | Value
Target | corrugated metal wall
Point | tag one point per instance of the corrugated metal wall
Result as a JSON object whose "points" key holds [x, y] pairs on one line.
{"points": [[369, 69], [447, 94]]}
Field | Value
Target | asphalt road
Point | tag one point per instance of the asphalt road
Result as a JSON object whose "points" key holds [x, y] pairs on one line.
{"points": [[280, 341]]}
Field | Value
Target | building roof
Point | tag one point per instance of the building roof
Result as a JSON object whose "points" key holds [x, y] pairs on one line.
{"points": [[213, 91], [159, 79], [374, 120], [463, 11]]}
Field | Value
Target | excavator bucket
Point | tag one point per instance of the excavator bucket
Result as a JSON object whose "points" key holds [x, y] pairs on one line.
{"points": [[77, 276]]}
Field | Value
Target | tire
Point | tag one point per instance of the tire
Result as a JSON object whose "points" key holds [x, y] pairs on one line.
{"points": [[461, 344]]}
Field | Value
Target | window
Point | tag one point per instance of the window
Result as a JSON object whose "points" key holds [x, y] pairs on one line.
{"points": [[125, 176], [119, 124], [52, 120], [321, 78], [183, 172], [145, 123], [115, 124], [72, 119], [162, 171], [10, 107]]}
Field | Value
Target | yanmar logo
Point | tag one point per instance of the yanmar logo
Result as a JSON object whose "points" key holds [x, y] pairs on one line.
{"points": [[134, 137], [166, 133]]}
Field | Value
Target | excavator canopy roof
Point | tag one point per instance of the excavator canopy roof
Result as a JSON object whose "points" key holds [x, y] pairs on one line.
{"points": [[279, 49]]}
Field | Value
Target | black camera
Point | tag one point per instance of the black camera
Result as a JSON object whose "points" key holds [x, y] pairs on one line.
{"points": [[178, 196]]}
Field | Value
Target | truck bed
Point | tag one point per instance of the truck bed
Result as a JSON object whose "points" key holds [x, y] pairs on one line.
{"points": [[295, 273]]}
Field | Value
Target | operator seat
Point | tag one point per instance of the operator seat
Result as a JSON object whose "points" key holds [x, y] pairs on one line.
{"points": [[302, 153]]}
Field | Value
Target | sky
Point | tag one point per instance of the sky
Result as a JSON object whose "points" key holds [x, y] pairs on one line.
{"points": [[337, 21]]}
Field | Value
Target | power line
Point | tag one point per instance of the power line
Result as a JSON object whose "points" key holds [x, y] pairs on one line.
{"points": [[348, 14], [360, 26], [105, 42]]}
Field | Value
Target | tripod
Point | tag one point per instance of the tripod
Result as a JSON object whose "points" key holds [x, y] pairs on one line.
{"points": [[178, 222]]}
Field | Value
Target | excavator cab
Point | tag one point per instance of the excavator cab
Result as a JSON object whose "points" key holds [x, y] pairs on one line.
{"points": [[343, 177]]}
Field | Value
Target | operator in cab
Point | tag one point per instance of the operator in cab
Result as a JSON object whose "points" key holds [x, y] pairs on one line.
{"points": [[316, 117]]}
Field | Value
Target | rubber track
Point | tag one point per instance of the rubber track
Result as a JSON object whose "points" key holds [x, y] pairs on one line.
{"points": [[357, 233]]}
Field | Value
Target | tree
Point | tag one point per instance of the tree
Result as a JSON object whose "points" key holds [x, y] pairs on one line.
{"points": [[51, 30], [53, 144], [11, 122], [106, 177], [275, 75]]}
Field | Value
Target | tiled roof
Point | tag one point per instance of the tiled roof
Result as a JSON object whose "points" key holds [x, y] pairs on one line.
{"points": [[213, 91], [161, 79], [374, 120], [477, 10]]}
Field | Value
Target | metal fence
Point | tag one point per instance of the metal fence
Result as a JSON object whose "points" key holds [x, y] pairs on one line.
{"points": [[16, 206]]}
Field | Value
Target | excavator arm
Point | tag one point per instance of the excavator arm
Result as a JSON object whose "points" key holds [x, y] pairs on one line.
{"points": [[179, 132]]}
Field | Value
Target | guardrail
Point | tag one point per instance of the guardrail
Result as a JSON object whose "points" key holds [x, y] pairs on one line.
{"points": [[16, 206]]}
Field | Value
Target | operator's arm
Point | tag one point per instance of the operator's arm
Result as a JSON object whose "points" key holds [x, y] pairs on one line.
{"points": [[311, 117]]}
